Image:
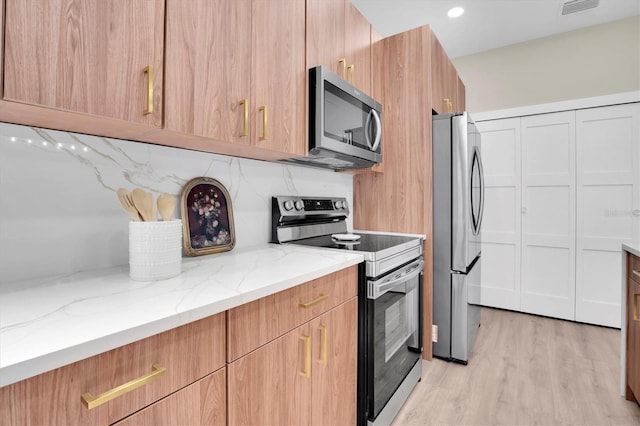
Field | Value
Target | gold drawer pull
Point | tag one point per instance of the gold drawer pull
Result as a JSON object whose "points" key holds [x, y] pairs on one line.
{"points": [[245, 123], [636, 317], [343, 61], [91, 401], [307, 357], [149, 71], [264, 123], [314, 302], [636, 273], [352, 78], [323, 345]]}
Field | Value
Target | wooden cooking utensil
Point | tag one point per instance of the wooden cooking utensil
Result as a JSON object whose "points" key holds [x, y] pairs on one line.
{"points": [[143, 201], [166, 205], [124, 197]]}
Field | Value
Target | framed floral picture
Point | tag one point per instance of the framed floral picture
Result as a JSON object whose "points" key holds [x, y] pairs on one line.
{"points": [[207, 217]]}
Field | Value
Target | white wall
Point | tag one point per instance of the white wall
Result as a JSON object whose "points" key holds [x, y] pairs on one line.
{"points": [[59, 213], [594, 61]]}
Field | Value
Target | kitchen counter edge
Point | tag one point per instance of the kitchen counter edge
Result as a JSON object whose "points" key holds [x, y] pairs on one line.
{"points": [[633, 248], [48, 323]]}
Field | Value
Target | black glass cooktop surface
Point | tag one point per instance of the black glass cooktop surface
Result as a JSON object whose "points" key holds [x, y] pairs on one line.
{"points": [[373, 246]]}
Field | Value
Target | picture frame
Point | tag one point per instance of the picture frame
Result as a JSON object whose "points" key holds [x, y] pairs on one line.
{"points": [[207, 217]]}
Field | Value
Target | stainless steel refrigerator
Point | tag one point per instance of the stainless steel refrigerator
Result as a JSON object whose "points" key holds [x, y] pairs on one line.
{"points": [[458, 202]]}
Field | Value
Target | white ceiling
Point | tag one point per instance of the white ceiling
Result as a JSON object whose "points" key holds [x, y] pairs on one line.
{"points": [[488, 24]]}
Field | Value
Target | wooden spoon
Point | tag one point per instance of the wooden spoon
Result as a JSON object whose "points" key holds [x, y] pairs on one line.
{"points": [[166, 205], [127, 204], [143, 201]]}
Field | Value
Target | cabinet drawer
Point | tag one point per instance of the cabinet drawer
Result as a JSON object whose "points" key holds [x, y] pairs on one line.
{"points": [[187, 353], [253, 324], [634, 268], [202, 403]]}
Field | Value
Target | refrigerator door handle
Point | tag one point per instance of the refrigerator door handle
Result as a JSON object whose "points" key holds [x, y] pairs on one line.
{"points": [[481, 191]]}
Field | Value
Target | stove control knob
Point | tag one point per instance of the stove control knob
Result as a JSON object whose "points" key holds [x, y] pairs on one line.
{"points": [[299, 205], [288, 205]]}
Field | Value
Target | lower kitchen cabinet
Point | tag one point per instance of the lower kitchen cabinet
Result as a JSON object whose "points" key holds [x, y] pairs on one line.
{"points": [[333, 372], [270, 386], [307, 376], [633, 328], [76, 393], [202, 403]]}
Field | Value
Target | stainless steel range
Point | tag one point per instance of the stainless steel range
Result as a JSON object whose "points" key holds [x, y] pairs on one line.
{"points": [[389, 293]]}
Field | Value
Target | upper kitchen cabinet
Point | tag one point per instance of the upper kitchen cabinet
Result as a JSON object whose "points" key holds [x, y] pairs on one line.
{"points": [[461, 99], [1, 46], [208, 68], [339, 38], [102, 58], [278, 76], [444, 81], [236, 73]]}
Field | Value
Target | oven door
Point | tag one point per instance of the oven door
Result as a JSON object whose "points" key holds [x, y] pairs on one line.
{"points": [[394, 323]]}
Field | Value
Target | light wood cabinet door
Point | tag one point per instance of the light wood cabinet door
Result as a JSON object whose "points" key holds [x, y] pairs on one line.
{"points": [[357, 48], [461, 100], [334, 371], [87, 56], [633, 329], [202, 403], [278, 76], [1, 49], [188, 353], [208, 60], [339, 38], [325, 26], [272, 385], [444, 80]]}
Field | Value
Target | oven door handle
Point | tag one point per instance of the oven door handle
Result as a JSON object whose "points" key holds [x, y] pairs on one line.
{"points": [[376, 289]]}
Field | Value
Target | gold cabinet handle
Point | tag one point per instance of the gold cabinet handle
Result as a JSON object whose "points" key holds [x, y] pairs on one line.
{"points": [[323, 344], [343, 61], [149, 71], [636, 273], [264, 122], [351, 69], [245, 125], [91, 401], [314, 302], [636, 317], [449, 105], [307, 357]]}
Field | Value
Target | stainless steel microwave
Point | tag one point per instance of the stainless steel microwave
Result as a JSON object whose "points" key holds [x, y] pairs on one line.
{"points": [[345, 125]]}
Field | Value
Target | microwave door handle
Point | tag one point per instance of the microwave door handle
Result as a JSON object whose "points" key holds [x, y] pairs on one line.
{"points": [[367, 136], [378, 137]]}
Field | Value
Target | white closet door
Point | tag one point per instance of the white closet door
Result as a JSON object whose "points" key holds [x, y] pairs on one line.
{"points": [[500, 275], [608, 207], [548, 215]]}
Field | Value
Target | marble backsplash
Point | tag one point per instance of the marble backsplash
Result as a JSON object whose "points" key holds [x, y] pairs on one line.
{"points": [[59, 213]]}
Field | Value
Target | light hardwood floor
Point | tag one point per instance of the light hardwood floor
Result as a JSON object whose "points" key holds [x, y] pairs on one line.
{"points": [[526, 370]]}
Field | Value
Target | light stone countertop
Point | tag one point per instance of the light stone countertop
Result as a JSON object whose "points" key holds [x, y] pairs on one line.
{"points": [[49, 323], [633, 248]]}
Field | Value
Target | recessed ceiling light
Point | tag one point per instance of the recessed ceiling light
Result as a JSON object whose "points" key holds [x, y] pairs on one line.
{"points": [[455, 12]]}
